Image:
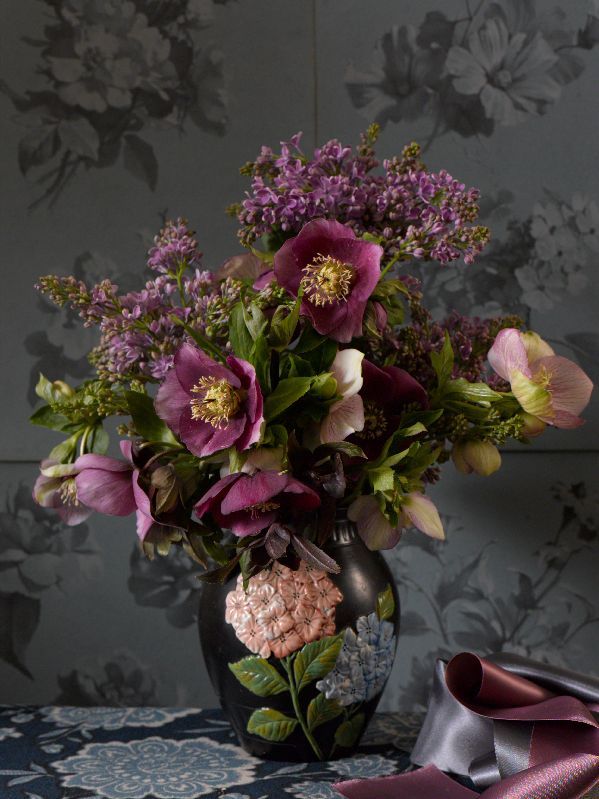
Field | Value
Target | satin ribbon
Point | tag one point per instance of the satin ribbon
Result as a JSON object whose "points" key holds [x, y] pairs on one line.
{"points": [[519, 729]]}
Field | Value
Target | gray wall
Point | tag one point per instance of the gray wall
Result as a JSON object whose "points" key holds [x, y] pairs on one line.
{"points": [[82, 617]]}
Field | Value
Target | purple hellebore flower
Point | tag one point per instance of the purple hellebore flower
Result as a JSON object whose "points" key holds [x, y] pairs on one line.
{"points": [[111, 486], [209, 406], [385, 393], [247, 503], [56, 488], [338, 273]]}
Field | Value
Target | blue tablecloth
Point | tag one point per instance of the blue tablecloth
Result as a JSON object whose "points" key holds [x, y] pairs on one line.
{"points": [[170, 753]]}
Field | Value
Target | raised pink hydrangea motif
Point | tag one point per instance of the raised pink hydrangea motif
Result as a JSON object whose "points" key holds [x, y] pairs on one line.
{"points": [[283, 609]]}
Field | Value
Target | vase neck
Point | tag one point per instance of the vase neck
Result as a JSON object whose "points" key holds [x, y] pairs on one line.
{"points": [[344, 530]]}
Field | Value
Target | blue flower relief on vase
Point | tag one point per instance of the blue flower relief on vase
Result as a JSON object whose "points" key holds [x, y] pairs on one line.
{"points": [[112, 718], [363, 664], [157, 767]]}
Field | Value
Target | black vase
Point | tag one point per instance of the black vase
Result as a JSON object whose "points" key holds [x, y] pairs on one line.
{"points": [[333, 684]]}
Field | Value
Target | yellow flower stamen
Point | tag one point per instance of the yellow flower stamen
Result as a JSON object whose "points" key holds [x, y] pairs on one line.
{"points": [[375, 422], [216, 403], [68, 492], [261, 507], [327, 280]]}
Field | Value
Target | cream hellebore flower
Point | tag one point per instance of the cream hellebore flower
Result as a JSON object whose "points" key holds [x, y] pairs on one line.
{"points": [[547, 386], [346, 416], [473, 455], [378, 533]]}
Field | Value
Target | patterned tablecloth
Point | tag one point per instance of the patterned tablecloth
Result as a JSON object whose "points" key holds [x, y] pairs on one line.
{"points": [[170, 753]]}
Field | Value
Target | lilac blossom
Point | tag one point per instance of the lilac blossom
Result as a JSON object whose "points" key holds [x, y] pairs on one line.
{"points": [[140, 331], [414, 212]]}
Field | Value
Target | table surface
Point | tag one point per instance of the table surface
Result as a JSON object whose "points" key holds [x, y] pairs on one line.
{"points": [[171, 753]]}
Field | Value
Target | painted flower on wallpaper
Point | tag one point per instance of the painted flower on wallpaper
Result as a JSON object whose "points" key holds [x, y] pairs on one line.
{"points": [[364, 662], [400, 83], [536, 611], [159, 767], [281, 610], [37, 553], [110, 70], [170, 584], [510, 73], [121, 681], [498, 65]]}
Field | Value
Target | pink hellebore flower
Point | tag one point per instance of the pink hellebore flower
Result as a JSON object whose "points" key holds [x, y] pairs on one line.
{"points": [[337, 271], [111, 486], [481, 457], [210, 406], [247, 503], [56, 488], [373, 527], [378, 533], [346, 416], [552, 388], [418, 511]]}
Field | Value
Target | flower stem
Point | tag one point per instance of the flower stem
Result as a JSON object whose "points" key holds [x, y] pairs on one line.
{"points": [[298, 710]]}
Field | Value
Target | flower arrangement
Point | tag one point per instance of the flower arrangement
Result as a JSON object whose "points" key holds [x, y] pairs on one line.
{"points": [[303, 376]]}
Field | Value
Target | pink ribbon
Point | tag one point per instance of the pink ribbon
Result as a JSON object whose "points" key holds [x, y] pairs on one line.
{"points": [[560, 732]]}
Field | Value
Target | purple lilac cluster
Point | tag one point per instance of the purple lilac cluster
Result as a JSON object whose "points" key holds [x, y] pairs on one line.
{"points": [[413, 212], [140, 331], [174, 248], [471, 338]]}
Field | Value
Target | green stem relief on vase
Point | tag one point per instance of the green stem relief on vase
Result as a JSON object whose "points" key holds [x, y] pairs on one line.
{"points": [[298, 710]]}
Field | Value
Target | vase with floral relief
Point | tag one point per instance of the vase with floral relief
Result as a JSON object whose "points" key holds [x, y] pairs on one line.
{"points": [[299, 657]]}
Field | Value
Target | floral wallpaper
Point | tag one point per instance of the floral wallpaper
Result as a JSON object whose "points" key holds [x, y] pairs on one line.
{"points": [[117, 114]]}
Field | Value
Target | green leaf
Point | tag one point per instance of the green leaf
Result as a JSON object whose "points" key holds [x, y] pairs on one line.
{"points": [[349, 731], [382, 478], [145, 419], [385, 604], [315, 660], [203, 343], [309, 340], [254, 319], [260, 359], [343, 447], [285, 394], [321, 710], [46, 417], [443, 361], [324, 386], [270, 724], [239, 335], [98, 440], [48, 391], [477, 392], [283, 325], [259, 676], [66, 450]]}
